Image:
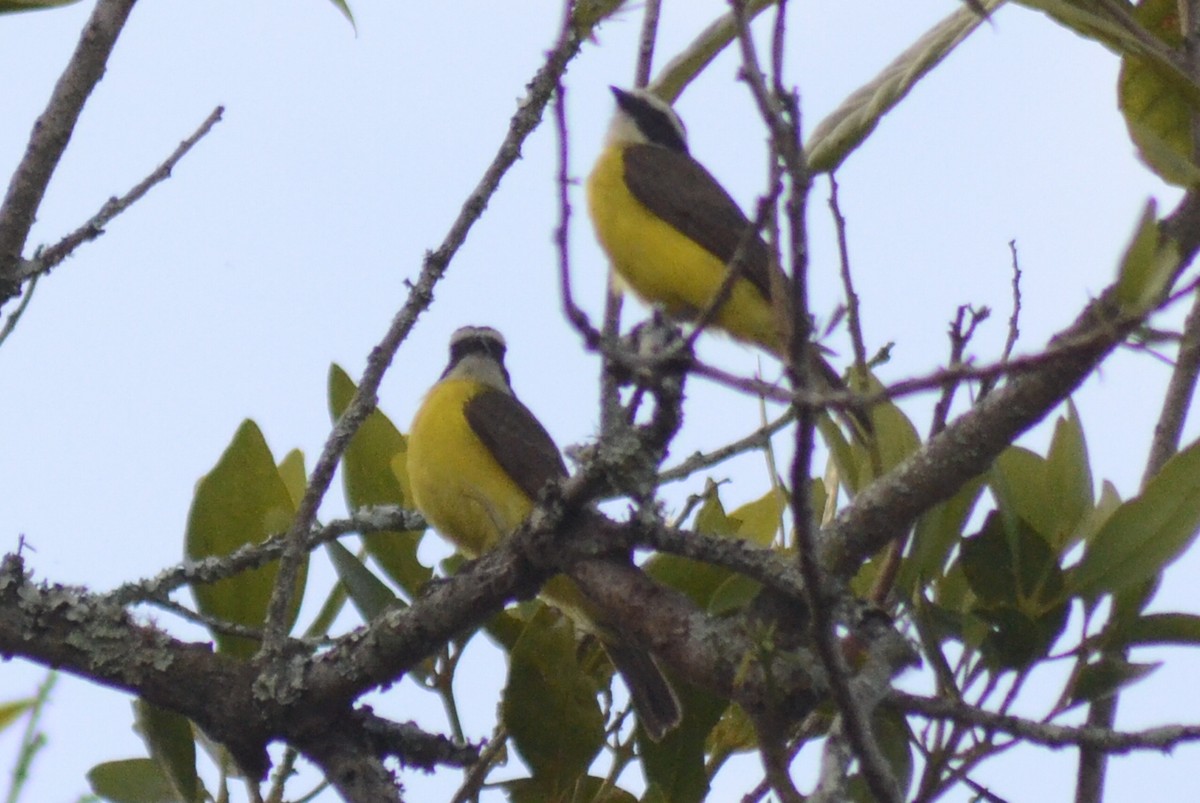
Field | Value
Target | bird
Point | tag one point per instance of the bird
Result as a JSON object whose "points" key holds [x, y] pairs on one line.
{"points": [[670, 231], [669, 227], [477, 460]]}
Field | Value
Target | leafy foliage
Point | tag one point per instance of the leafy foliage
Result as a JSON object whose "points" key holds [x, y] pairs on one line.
{"points": [[244, 500]]}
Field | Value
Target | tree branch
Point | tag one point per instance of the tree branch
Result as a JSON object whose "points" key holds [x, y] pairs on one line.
{"points": [[1104, 740], [51, 133], [93, 228]]}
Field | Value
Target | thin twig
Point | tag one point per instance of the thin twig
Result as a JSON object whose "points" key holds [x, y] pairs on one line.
{"points": [[775, 759], [755, 440], [15, 316], [282, 773], [612, 418], [477, 773], [1059, 349], [93, 228], [780, 111], [1109, 741], [646, 42], [1180, 390], [32, 739], [52, 132], [575, 315], [1014, 319], [853, 318], [960, 336], [252, 556]]}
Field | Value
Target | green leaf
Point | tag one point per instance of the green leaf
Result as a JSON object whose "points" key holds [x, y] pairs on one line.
{"points": [[1012, 569], [845, 467], [1125, 34], [895, 740], [1148, 265], [370, 595], [1019, 586], [330, 609], [894, 435], [291, 469], [952, 589], [1018, 480], [168, 737], [243, 500], [134, 780], [12, 711], [1095, 519], [549, 705], [1158, 107], [676, 764], [734, 733], [587, 14], [1164, 628], [1016, 639], [839, 134], [654, 795], [695, 578], [759, 521], [1101, 679], [374, 473], [937, 532], [344, 7], [711, 518], [733, 595], [1146, 533], [1053, 494], [1069, 476], [7, 6]]}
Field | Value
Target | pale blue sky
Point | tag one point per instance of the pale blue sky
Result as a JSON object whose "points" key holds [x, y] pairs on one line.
{"points": [[283, 241]]}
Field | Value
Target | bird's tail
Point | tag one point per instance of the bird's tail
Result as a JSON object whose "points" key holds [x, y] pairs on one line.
{"points": [[653, 698]]}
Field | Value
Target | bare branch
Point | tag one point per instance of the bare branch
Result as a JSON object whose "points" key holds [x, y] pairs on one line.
{"points": [[253, 556], [1102, 739], [853, 317], [1180, 391], [646, 42], [574, 314], [967, 446], [52, 256], [15, 316], [780, 111], [52, 132], [755, 440]]}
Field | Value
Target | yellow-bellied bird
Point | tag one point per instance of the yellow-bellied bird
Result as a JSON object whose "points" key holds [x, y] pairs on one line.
{"points": [[477, 459], [670, 228], [670, 231]]}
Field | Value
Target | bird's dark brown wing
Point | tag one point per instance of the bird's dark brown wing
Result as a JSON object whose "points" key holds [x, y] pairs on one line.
{"points": [[516, 439], [682, 192]]}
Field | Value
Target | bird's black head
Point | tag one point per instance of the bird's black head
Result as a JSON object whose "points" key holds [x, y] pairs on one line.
{"points": [[653, 118], [477, 341]]}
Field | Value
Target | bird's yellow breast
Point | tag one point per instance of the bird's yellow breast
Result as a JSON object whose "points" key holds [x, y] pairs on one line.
{"points": [[464, 493], [664, 266], [456, 483]]}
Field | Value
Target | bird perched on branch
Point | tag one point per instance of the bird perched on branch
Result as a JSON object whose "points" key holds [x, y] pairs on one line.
{"points": [[671, 232], [477, 459]]}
